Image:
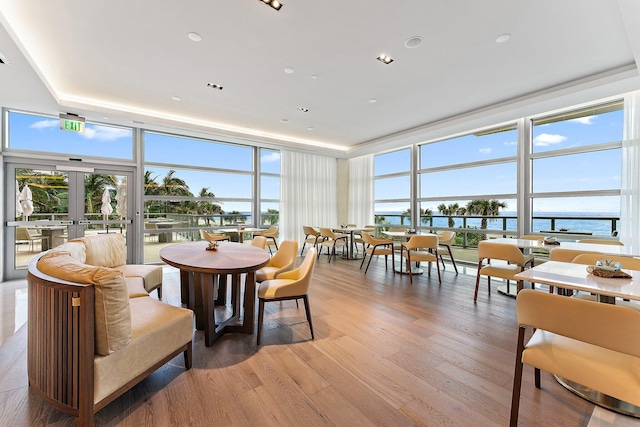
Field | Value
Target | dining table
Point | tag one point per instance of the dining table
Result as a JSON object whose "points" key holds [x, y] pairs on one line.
{"points": [[240, 231], [351, 231], [203, 284], [577, 277], [403, 236]]}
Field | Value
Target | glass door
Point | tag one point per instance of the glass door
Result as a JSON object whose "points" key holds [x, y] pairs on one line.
{"points": [[47, 205]]}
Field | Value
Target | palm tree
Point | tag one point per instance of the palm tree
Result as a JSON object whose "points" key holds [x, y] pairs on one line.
{"points": [[272, 215], [425, 215], [94, 186], [485, 208], [205, 207], [234, 217], [449, 211]]}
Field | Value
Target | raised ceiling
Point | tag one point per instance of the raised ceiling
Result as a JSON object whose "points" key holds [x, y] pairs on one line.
{"points": [[132, 60]]}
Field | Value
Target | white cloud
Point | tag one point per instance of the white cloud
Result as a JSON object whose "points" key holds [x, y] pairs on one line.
{"points": [[485, 150], [271, 157], [45, 124], [546, 139], [103, 133], [511, 143], [584, 120]]}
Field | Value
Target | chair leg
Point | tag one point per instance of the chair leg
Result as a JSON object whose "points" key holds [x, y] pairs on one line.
{"points": [[453, 261], [517, 380], [303, 245], [308, 311], [260, 316], [160, 291], [536, 376], [475, 295], [188, 356], [362, 263]]}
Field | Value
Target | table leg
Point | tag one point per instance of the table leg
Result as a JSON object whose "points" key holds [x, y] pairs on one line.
{"points": [[249, 302], [207, 283]]}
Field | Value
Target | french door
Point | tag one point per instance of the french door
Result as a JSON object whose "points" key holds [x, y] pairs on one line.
{"points": [[50, 204]]}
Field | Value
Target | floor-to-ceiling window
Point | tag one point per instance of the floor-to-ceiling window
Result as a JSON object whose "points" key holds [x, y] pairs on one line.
{"points": [[575, 170], [269, 187], [392, 188]]}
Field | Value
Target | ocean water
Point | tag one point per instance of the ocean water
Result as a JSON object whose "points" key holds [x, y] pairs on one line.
{"points": [[598, 223]]}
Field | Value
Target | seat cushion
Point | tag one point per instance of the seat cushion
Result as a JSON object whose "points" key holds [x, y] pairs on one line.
{"points": [[157, 329], [112, 315], [610, 372], [502, 271]]}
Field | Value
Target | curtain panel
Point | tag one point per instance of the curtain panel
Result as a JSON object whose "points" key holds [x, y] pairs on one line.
{"points": [[630, 180], [361, 191], [308, 193]]}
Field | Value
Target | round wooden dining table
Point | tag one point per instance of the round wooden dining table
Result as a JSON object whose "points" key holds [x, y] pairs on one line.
{"points": [[203, 284]]}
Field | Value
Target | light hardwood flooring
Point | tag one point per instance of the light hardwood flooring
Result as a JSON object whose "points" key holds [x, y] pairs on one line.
{"points": [[386, 353]]}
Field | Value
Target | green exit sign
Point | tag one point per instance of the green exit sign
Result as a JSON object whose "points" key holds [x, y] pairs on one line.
{"points": [[72, 123]]}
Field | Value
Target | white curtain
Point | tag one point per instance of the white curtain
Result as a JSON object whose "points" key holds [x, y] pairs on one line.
{"points": [[308, 193], [629, 232], [361, 191]]}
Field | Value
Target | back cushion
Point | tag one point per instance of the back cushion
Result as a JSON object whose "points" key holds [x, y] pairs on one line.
{"points": [[105, 250], [112, 312], [75, 249]]}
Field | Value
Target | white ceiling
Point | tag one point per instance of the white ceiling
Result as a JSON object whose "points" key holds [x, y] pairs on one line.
{"points": [[126, 59]]}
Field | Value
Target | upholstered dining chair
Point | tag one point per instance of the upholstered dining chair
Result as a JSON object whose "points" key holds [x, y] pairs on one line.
{"points": [[576, 340], [331, 240], [488, 255], [311, 236], [601, 242], [421, 248], [211, 237], [271, 234], [260, 242], [281, 261], [626, 262], [565, 255], [290, 285], [29, 235], [445, 239], [377, 247]]}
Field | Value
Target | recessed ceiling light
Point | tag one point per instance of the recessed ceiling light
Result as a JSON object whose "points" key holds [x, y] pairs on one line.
{"points": [[412, 42], [214, 86], [304, 110], [503, 38], [195, 37], [176, 98], [386, 59], [273, 3], [3, 60], [105, 118], [289, 70], [314, 77], [373, 100], [284, 120], [310, 128]]}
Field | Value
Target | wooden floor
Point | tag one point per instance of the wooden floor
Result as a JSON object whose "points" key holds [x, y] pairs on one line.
{"points": [[385, 353]]}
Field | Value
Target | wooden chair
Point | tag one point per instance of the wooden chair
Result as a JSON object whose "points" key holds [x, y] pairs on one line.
{"points": [[290, 285], [282, 261], [421, 248], [490, 252], [445, 239], [311, 236], [331, 240], [377, 247], [29, 235], [592, 344]]}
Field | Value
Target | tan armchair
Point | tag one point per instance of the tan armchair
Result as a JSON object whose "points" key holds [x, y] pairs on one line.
{"points": [[29, 235], [377, 247], [601, 242], [211, 237], [271, 233], [445, 239], [259, 242], [290, 285], [282, 261], [490, 252], [311, 236], [589, 343], [331, 240], [421, 248]]}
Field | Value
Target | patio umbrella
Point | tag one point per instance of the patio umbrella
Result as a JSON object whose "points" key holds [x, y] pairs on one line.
{"points": [[106, 208], [121, 201], [26, 202], [18, 205]]}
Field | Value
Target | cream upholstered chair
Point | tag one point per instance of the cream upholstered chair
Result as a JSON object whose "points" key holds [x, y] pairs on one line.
{"points": [[211, 237], [445, 239], [491, 252], [601, 242], [271, 233], [421, 248], [566, 255], [311, 236], [331, 240], [593, 344], [259, 241], [377, 247], [290, 285], [30, 235], [281, 261], [626, 262]]}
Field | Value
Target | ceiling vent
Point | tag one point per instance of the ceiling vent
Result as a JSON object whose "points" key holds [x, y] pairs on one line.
{"points": [[212, 86], [3, 60]]}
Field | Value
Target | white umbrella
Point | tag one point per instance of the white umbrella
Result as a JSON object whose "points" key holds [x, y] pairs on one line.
{"points": [[26, 202], [18, 205], [121, 201], [106, 204]]}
